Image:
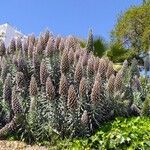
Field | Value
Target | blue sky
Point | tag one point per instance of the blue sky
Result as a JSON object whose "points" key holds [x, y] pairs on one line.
{"points": [[64, 17]]}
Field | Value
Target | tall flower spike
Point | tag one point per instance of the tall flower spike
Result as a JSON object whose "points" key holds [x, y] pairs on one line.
{"points": [[16, 106], [20, 81], [18, 44], [7, 91], [50, 90], [25, 48], [12, 46], [50, 47], [84, 59], [118, 82], [96, 90], [76, 55], [14, 60], [36, 60], [42, 41], [43, 72], [22, 65], [90, 66], [102, 68], [96, 64], [82, 87], [72, 98], [2, 48], [78, 72], [71, 42], [63, 86], [46, 36], [33, 87], [110, 70], [32, 38], [30, 50], [90, 44], [62, 45], [4, 70], [57, 42], [39, 48], [71, 56], [64, 66], [110, 85], [106, 60]]}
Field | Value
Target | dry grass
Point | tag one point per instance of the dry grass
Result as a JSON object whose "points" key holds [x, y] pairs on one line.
{"points": [[16, 145]]}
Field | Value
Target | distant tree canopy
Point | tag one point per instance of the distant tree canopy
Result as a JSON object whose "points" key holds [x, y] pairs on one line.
{"points": [[133, 28], [146, 1], [117, 53]]}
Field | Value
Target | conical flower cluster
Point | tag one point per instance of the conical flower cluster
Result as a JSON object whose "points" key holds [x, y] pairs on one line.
{"points": [[7, 91], [72, 98], [78, 72], [95, 95], [50, 90], [71, 56], [18, 44], [110, 86], [90, 67], [20, 81], [2, 48], [43, 73], [63, 86], [82, 87], [4, 69], [90, 44], [16, 106], [33, 87], [110, 70], [102, 68], [64, 67], [12, 47], [50, 47]]}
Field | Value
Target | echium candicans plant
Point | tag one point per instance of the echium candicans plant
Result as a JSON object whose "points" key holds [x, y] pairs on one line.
{"points": [[72, 106], [90, 43], [90, 71], [63, 88], [2, 48]]}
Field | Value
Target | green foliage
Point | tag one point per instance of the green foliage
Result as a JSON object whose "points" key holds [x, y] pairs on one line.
{"points": [[117, 53], [132, 28], [100, 46], [131, 134]]}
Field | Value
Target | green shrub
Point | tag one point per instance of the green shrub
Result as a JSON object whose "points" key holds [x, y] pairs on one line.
{"points": [[131, 134], [117, 53]]}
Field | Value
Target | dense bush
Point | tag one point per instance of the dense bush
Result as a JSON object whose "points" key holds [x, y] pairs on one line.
{"points": [[52, 86], [131, 133], [117, 53]]}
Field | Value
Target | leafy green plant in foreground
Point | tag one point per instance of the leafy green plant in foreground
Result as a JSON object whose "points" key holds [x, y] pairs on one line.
{"points": [[131, 134]]}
